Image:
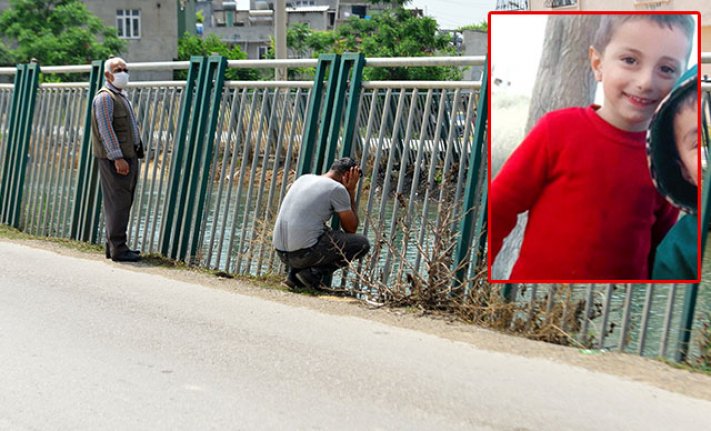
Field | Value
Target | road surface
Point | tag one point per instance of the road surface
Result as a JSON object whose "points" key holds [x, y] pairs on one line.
{"points": [[87, 344]]}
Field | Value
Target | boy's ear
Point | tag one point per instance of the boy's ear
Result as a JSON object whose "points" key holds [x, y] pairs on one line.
{"points": [[595, 63]]}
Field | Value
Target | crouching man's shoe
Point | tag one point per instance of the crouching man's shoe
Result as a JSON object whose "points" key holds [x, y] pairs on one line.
{"points": [[127, 256], [310, 277]]}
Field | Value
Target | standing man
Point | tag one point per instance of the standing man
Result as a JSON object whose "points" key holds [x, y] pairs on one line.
{"points": [[303, 241], [116, 144]]}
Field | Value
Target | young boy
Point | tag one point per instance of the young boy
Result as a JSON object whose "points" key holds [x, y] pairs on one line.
{"points": [[582, 173], [672, 145]]}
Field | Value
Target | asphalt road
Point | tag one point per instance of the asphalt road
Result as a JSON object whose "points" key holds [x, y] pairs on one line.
{"points": [[87, 345]]}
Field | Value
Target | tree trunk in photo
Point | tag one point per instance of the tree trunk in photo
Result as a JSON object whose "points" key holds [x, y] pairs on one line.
{"points": [[564, 79]]}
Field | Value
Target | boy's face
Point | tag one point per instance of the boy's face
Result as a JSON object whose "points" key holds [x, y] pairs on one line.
{"points": [[637, 69], [686, 138]]}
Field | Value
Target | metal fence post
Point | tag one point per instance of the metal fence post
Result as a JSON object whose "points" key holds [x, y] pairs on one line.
{"points": [[18, 147], [13, 119], [349, 62], [87, 200], [308, 141], [214, 81], [326, 114], [463, 250], [177, 183]]}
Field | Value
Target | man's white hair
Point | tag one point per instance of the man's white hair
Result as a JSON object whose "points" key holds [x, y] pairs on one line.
{"points": [[111, 61]]}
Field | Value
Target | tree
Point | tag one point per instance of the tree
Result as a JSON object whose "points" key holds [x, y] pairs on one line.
{"points": [[564, 76], [56, 32], [482, 26], [564, 79], [190, 45]]}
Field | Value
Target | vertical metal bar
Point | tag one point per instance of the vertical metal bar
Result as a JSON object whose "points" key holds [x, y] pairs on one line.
{"points": [[82, 203], [242, 170], [269, 206], [583, 336], [172, 206], [214, 86], [388, 175], [32, 84], [250, 188], [462, 253], [605, 315], [308, 143], [224, 177], [12, 130], [532, 304], [230, 178], [687, 321], [625, 325], [190, 172], [322, 142], [404, 160], [434, 155], [668, 315], [34, 167], [645, 319], [352, 108]]}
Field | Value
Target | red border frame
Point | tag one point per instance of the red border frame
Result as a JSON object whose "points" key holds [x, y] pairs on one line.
{"points": [[700, 181]]}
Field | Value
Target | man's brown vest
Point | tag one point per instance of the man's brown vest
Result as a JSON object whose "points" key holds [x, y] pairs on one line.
{"points": [[121, 123]]}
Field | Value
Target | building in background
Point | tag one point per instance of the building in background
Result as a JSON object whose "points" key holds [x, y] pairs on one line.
{"points": [[150, 29], [474, 42]]}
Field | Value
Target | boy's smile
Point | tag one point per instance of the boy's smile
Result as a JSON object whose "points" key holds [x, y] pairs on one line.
{"points": [[637, 69]]}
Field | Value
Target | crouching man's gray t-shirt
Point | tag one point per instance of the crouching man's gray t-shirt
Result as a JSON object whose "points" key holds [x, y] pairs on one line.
{"points": [[307, 207]]}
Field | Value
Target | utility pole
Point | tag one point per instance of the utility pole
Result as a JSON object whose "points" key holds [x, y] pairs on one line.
{"points": [[280, 38]]}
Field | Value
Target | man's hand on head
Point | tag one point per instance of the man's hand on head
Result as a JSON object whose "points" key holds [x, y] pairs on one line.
{"points": [[121, 166], [350, 178]]}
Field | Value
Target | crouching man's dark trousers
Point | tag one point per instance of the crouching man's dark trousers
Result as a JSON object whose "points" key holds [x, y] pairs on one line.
{"points": [[333, 250]]}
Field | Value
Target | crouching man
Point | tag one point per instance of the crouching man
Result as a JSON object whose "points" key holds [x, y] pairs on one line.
{"points": [[302, 239]]}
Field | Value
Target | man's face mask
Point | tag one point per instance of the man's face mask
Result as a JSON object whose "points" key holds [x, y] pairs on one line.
{"points": [[120, 78]]}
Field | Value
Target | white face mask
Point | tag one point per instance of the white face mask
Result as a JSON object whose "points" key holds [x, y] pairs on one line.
{"points": [[120, 80]]}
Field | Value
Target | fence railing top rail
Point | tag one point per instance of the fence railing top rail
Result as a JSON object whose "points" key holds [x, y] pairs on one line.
{"points": [[160, 66], [422, 85]]}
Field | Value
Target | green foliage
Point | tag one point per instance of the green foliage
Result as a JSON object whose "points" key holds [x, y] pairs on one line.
{"points": [[391, 33], [482, 26], [199, 17], [6, 57], [190, 45], [55, 32]]}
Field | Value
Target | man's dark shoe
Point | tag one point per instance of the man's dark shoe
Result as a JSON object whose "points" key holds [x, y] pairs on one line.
{"points": [[108, 252], [291, 281], [127, 256], [309, 277]]}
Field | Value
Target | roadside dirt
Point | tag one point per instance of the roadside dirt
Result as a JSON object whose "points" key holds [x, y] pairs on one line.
{"points": [[632, 367]]}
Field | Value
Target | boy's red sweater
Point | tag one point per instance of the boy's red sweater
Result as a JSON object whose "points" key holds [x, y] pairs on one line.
{"points": [[594, 213]]}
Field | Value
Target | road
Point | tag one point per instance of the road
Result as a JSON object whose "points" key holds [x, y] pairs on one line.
{"points": [[87, 344]]}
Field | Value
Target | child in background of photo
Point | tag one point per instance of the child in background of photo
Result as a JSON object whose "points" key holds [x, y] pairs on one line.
{"points": [[582, 172], [672, 145]]}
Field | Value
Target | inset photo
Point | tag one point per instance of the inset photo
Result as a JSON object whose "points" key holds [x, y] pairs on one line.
{"points": [[594, 157]]}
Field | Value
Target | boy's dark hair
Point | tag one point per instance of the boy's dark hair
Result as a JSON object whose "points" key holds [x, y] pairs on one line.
{"points": [[341, 166], [610, 23]]}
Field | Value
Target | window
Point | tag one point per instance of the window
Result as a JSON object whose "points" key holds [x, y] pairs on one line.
{"points": [[128, 23], [262, 52], [560, 3]]}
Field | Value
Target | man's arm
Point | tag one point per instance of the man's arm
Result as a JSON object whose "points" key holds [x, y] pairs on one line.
{"points": [[104, 111]]}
